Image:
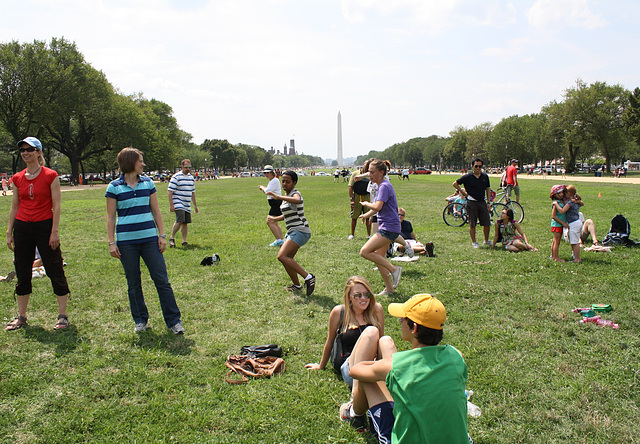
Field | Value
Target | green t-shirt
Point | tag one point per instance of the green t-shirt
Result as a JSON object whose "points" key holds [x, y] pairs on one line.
{"points": [[427, 385]]}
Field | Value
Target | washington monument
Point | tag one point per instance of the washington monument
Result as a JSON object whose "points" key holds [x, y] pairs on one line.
{"points": [[340, 160]]}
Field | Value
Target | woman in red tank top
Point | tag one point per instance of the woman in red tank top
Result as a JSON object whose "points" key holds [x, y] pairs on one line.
{"points": [[33, 223]]}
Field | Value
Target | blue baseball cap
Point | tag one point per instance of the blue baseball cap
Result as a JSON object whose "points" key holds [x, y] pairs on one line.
{"points": [[31, 141]]}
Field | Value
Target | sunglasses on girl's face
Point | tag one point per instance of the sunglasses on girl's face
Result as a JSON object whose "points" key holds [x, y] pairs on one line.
{"points": [[28, 149], [366, 294]]}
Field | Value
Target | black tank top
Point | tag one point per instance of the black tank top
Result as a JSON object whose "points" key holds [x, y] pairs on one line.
{"points": [[350, 337]]}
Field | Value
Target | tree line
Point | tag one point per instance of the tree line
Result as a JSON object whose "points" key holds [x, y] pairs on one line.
{"points": [[48, 90], [596, 120]]}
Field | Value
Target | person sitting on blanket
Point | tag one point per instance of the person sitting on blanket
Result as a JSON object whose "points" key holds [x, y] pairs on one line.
{"points": [[406, 231]]}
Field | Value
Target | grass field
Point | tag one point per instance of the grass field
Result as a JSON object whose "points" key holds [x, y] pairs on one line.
{"points": [[537, 374]]}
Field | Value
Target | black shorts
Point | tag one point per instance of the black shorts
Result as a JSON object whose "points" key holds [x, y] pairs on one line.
{"points": [[274, 207], [478, 211], [382, 420]]}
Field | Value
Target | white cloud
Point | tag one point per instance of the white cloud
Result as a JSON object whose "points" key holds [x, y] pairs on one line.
{"points": [[515, 47], [561, 13]]}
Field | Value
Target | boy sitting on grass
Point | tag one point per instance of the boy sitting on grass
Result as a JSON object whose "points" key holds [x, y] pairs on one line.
{"points": [[413, 396]]}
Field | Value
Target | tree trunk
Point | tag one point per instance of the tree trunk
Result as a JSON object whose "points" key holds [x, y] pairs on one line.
{"points": [[572, 157]]}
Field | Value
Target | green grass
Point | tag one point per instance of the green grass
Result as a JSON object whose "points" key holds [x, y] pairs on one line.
{"points": [[537, 374]]}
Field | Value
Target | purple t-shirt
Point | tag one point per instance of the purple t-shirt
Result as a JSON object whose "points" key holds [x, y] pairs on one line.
{"points": [[388, 219]]}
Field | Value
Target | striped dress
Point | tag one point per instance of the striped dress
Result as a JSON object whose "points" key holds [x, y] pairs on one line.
{"points": [[135, 224], [294, 214]]}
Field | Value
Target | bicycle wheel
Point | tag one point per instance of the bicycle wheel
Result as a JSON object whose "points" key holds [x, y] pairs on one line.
{"points": [[455, 214], [518, 211], [496, 209]]}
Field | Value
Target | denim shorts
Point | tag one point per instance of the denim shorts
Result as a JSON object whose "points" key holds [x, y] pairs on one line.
{"points": [[388, 235], [298, 237], [344, 370]]}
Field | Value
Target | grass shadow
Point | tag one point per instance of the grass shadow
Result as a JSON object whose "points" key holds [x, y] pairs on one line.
{"points": [[177, 345], [66, 340], [323, 301]]}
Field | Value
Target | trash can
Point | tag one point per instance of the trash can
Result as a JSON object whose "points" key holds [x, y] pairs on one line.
{"points": [[598, 173]]}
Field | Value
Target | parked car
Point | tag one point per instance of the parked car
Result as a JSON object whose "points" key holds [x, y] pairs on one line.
{"points": [[321, 173], [245, 174], [420, 170]]}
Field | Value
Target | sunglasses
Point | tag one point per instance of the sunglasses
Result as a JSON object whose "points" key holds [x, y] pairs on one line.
{"points": [[366, 295], [477, 166], [29, 149]]}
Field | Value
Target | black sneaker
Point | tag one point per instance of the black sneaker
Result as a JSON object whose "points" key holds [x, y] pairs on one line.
{"points": [[429, 247], [310, 284]]}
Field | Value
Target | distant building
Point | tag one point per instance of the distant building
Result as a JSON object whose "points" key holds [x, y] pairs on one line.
{"points": [[286, 150], [292, 148]]}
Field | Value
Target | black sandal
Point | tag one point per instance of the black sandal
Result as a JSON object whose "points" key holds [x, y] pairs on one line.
{"points": [[63, 322], [17, 323]]}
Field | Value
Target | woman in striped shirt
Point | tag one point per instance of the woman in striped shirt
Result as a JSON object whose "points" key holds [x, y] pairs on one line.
{"points": [[298, 232], [135, 230]]}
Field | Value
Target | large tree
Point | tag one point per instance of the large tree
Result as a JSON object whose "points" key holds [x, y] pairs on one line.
{"points": [[593, 113], [456, 147], [25, 92]]}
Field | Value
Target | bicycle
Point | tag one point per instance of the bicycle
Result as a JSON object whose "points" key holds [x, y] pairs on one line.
{"points": [[501, 197], [455, 213]]}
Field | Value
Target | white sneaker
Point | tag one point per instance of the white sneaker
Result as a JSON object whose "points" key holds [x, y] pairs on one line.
{"points": [[384, 292], [140, 327], [350, 237], [408, 250], [488, 244], [475, 245], [177, 329], [395, 277]]}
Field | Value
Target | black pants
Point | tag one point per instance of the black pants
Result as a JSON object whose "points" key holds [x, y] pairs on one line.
{"points": [[27, 236]]}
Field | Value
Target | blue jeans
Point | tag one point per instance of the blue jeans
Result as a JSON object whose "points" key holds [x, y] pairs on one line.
{"points": [[130, 258]]}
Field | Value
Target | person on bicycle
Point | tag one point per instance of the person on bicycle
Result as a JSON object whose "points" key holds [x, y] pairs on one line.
{"points": [[512, 180], [476, 187]]}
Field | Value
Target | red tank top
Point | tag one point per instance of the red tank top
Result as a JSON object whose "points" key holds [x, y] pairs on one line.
{"points": [[35, 195]]}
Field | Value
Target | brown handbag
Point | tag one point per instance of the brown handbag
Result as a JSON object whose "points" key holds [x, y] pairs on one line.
{"points": [[245, 366]]}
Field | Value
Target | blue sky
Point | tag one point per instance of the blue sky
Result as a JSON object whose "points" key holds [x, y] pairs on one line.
{"points": [[264, 71]]}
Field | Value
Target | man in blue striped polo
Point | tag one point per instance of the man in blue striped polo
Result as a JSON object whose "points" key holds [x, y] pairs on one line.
{"points": [[182, 191]]}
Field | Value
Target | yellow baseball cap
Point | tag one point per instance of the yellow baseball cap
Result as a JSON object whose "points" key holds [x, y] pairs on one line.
{"points": [[423, 309]]}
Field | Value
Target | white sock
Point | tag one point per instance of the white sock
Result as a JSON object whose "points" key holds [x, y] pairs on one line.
{"points": [[352, 413], [309, 276]]}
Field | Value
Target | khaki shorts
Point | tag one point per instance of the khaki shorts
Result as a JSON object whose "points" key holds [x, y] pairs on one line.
{"points": [[183, 217]]}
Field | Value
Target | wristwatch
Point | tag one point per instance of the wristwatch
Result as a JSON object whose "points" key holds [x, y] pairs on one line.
{"points": [[164, 236]]}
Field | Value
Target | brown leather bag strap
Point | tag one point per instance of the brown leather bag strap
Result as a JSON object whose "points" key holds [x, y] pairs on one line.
{"points": [[235, 381]]}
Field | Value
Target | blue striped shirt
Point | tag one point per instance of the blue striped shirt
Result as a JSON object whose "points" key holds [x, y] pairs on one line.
{"points": [[182, 186], [135, 224]]}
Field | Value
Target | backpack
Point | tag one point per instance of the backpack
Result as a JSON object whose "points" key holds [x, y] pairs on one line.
{"points": [[620, 224], [619, 233], [360, 186], [337, 354]]}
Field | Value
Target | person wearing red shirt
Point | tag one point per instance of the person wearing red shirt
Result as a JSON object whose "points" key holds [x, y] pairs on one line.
{"points": [[33, 222], [512, 180]]}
